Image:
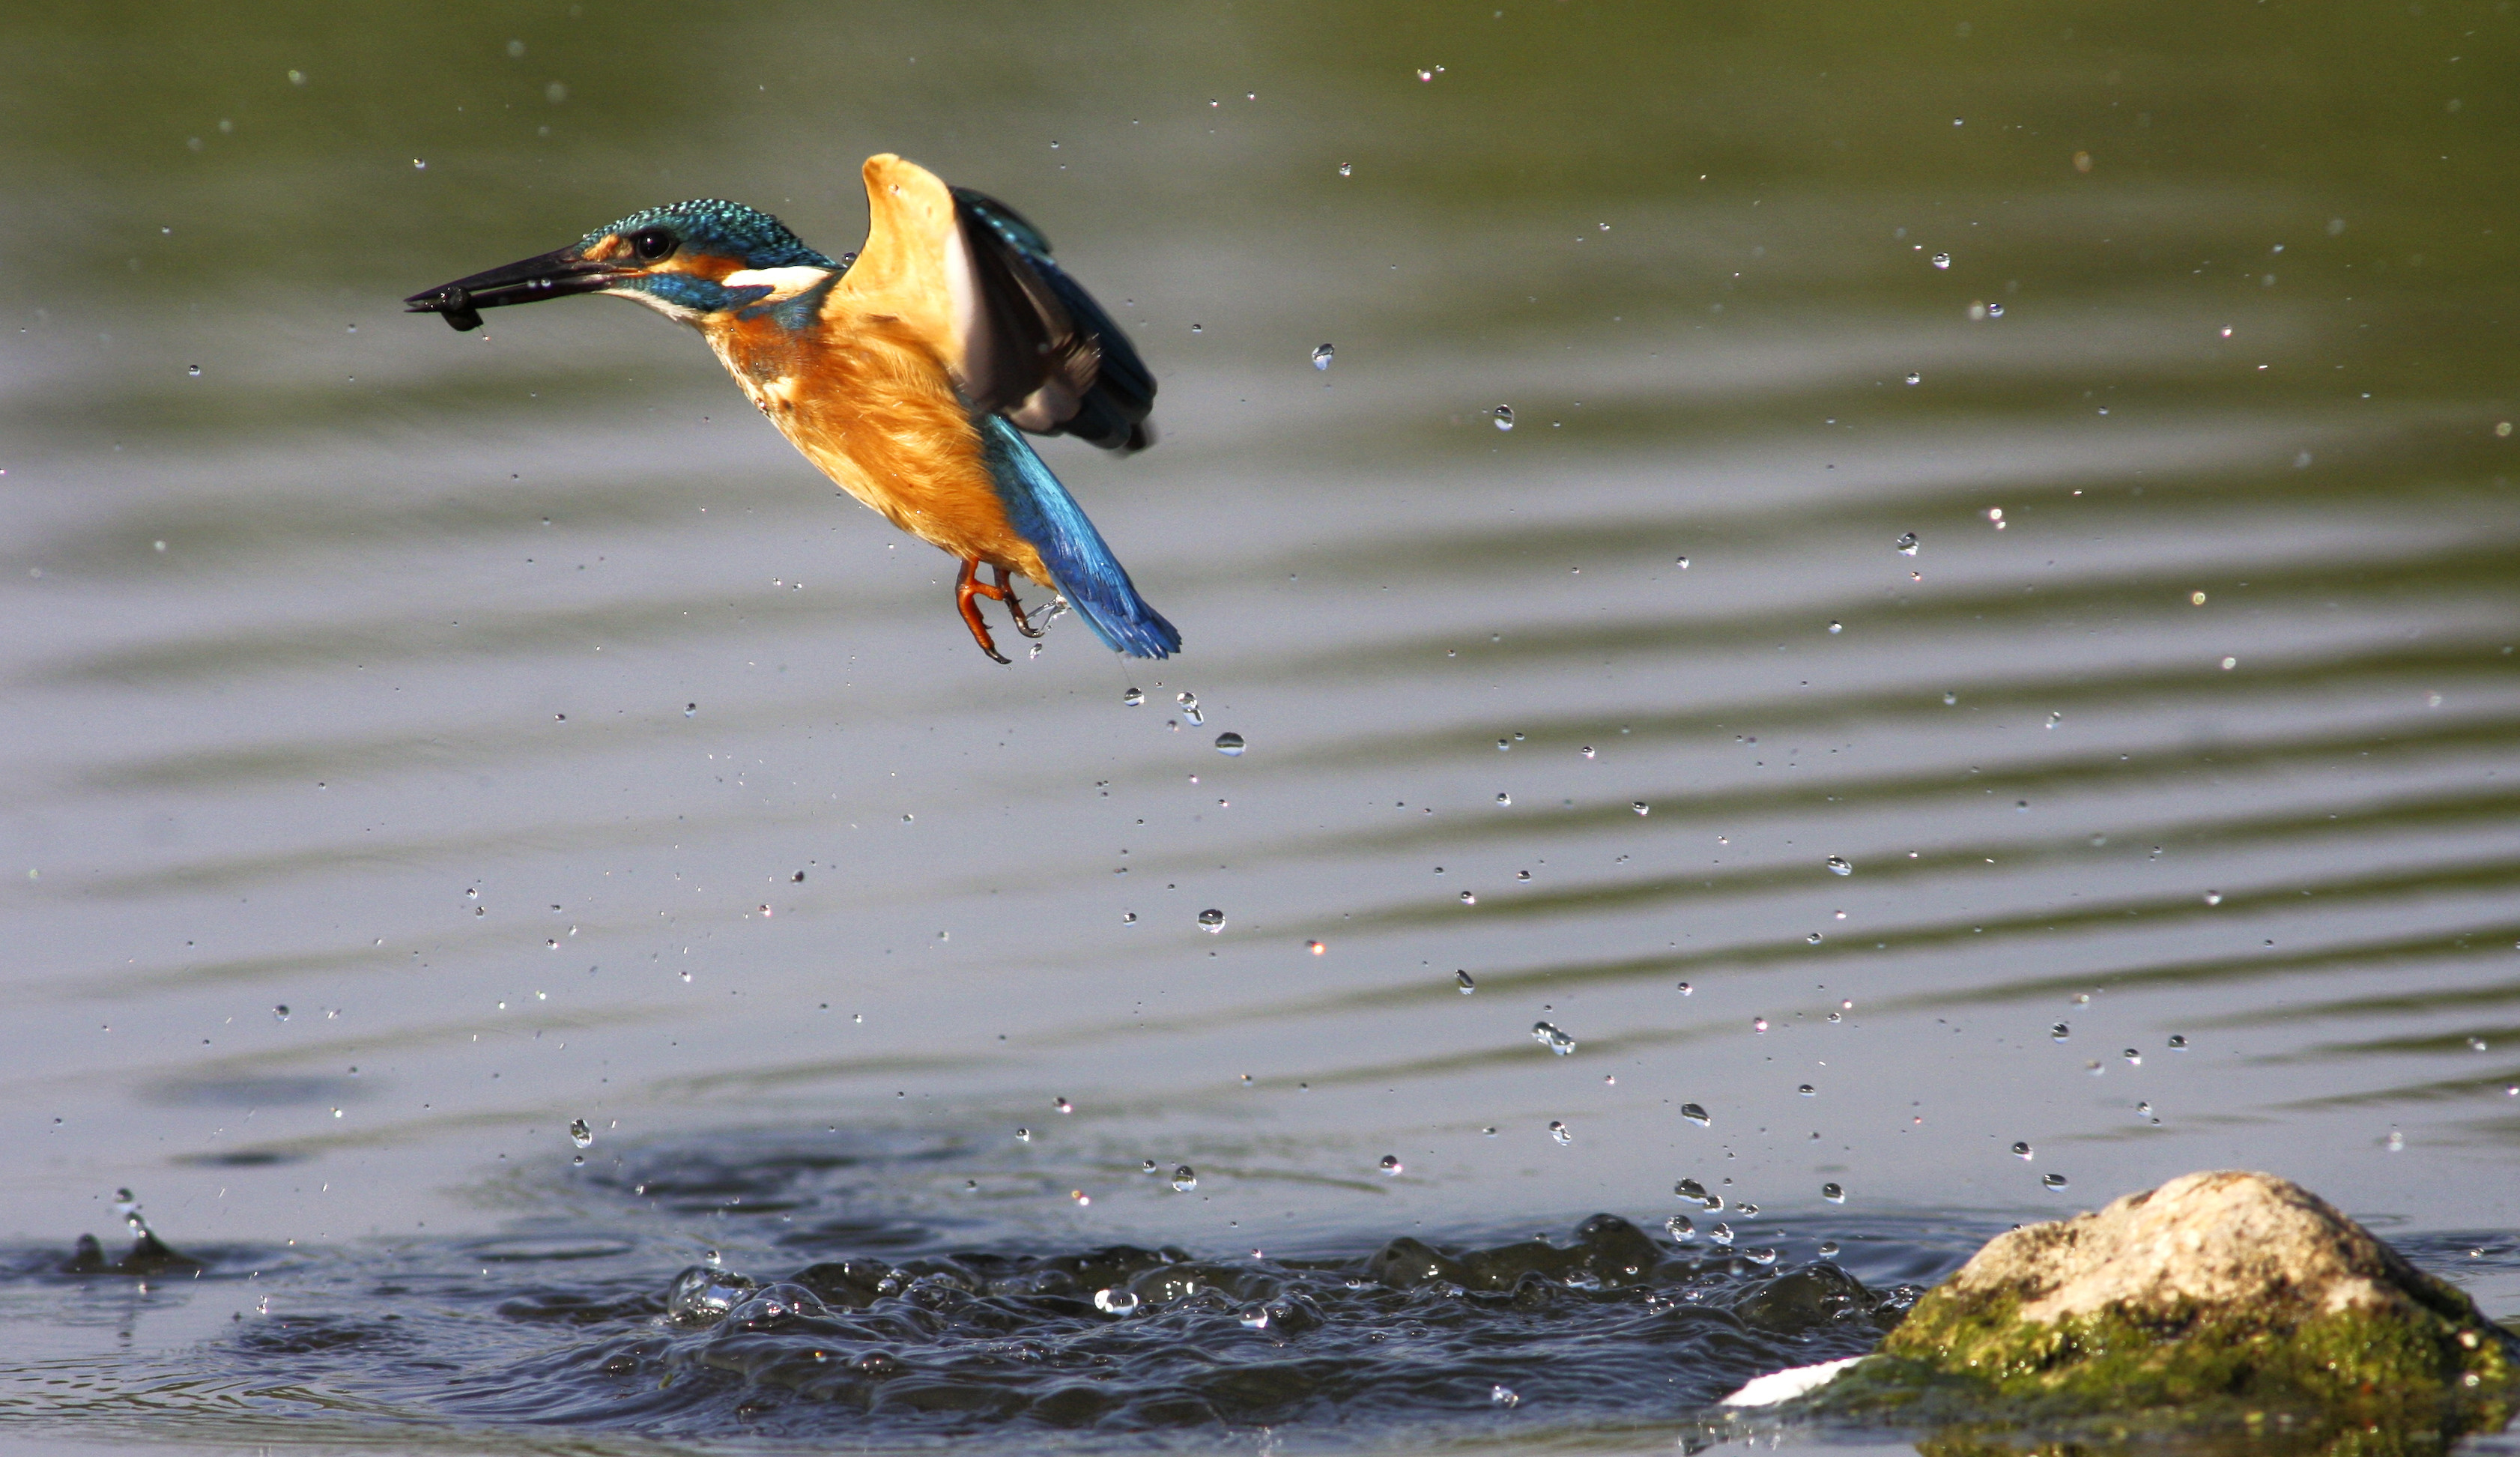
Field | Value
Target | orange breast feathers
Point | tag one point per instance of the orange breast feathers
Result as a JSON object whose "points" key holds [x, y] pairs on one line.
{"points": [[867, 401]]}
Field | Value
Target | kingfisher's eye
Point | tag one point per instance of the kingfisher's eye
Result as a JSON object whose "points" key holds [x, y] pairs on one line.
{"points": [[651, 244]]}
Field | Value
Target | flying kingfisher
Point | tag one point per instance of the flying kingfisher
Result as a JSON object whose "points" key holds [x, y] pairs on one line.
{"points": [[904, 370]]}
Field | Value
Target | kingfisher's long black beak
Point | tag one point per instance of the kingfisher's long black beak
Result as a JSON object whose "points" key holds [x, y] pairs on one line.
{"points": [[553, 275]]}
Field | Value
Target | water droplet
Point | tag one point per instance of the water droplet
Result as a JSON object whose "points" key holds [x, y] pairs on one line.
{"points": [[194, 370], [1835, 628], [1497, 1395], [1504, 801], [1230, 745], [2022, 1150], [1995, 310], [1347, 170], [1588, 750], [1813, 938], [1063, 1105], [1324, 353], [2213, 897], [2476, 1044], [280, 1013], [1686, 989], [1391, 1166], [1837, 866], [2396, 1141], [1548, 1036], [1504, 417], [1914, 377], [1834, 1194], [1561, 1132], [1721, 1234], [1829, 1248], [1185, 1179], [1023, 1135], [1942, 260], [1681, 561], [1641, 807], [1907, 544], [1128, 918], [1211, 920], [1682, 1232], [2177, 1043], [1762, 1255], [2133, 1057], [1758, 1024], [1316, 948], [2144, 1109], [1132, 699], [1462, 979], [1808, 1091], [1147, 1167], [1116, 1302], [2060, 1031], [1189, 707], [1469, 897], [1689, 1189], [580, 1134], [2054, 1180], [1503, 744], [1695, 1114]]}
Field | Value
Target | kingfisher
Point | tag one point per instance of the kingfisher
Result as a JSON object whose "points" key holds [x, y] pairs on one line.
{"points": [[907, 372]]}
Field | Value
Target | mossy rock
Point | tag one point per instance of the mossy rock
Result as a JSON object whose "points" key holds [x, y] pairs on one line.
{"points": [[2216, 1300]]}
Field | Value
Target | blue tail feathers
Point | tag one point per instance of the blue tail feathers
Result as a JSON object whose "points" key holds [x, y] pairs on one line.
{"points": [[1093, 580]]}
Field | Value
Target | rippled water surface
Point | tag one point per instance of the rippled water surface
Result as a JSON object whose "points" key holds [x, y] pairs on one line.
{"points": [[1993, 625]]}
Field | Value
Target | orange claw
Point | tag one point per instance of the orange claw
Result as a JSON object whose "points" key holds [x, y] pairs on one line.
{"points": [[967, 587]]}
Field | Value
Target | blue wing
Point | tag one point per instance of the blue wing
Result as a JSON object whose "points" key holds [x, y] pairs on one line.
{"points": [[1093, 580]]}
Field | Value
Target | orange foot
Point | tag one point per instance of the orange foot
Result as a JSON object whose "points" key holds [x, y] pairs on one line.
{"points": [[967, 588]]}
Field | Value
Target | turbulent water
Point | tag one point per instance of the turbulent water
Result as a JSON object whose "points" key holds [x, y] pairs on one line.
{"points": [[1981, 678]]}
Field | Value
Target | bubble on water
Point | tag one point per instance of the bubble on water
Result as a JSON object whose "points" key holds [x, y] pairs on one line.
{"points": [[1696, 1114], [1641, 807], [1133, 698], [1463, 981], [1230, 745], [1838, 865], [1548, 1036], [579, 1134], [1469, 897], [1942, 260], [1503, 416], [1504, 801], [1116, 1302], [1913, 378], [2053, 1181], [1808, 1091], [1721, 1234], [1682, 1232], [1322, 355], [1906, 544], [1211, 920], [1500, 1394], [1829, 1248], [1023, 1135], [2060, 1031], [1391, 1166], [2177, 1043], [1185, 1179], [1686, 989], [1834, 1194], [1561, 1132], [2023, 1151]]}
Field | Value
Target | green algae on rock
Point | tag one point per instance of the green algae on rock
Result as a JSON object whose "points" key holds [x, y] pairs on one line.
{"points": [[2216, 1296]]}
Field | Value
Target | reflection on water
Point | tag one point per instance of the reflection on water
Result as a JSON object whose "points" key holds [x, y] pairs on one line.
{"points": [[1803, 744]]}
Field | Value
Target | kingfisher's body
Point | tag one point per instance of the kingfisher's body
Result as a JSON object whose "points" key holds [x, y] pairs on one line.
{"points": [[903, 372]]}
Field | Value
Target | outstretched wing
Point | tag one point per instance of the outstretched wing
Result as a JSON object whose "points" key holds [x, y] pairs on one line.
{"points": [[1093, 580], [1023, 339]]}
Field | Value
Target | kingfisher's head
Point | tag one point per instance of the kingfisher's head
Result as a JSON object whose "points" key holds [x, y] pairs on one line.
{"points": [[688, 260]]}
